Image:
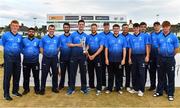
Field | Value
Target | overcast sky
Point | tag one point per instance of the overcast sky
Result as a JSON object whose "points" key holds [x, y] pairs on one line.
{"points": [[137, 10]]}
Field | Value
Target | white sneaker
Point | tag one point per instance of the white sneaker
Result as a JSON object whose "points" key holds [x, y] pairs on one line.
{"points": [[128, 89], [133, 91], [120, 92], [170, 98], [140, 93], [107, 92], [98, 92]]}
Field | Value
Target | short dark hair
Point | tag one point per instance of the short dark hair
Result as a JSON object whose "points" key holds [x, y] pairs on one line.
{"points": [[116, 25], [156, 23], [166, 24], [136, 25], [66, 23], [51, 26], [143, 23], [81, 21], [125, 25], [106, 24], [93, 24], [31, 28]]}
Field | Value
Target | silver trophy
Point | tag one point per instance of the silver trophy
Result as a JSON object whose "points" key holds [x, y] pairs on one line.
{"points": [[83, 42]]}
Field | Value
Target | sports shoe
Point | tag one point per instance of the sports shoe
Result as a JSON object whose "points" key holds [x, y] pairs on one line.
{"points": [[140, 93], [98, 92], [170, 98], [133, 91]]}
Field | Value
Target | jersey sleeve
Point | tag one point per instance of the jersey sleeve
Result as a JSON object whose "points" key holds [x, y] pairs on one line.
{"points": [[60, 43], [106, 42], [3, 39], [127, 41], [21, 42], [70, 40], [176, 42], [129, 45], [147, 39], [101, 40], [157, 44], [86, 36], [124, 43], [38, 41], [87, 39]]}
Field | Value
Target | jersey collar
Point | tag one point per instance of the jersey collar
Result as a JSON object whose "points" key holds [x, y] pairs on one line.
{"points": [[158, 32], [13, 33], [93, 34], [50, 36], [167, 34], [137, 34], [116, 36], [79, 33], [67, 35], [106, 33], [31, 39], [124, 34]]}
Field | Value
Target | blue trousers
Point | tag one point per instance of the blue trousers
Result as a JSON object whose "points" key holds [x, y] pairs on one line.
{"points": [[64, 65], [166, 70], [138, 72], [47, 63], [11, 68], [95, 65], [74, 63]]}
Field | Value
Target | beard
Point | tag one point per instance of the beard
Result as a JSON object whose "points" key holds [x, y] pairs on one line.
{"points": [[31, 35], [93, 32]]}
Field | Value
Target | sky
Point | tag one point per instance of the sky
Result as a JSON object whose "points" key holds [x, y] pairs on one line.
{"points": [[136, 10]]}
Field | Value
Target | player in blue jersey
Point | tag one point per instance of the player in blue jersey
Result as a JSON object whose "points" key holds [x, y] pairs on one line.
{"points": [[154, 55], [143, 29], [95, 45], [154, 58], [127, 67], [168, 45], [49, 47], [78, 58], [106, 33], [115, 54], [65, 52], [12, 43], [139, 53], [30, 52]]}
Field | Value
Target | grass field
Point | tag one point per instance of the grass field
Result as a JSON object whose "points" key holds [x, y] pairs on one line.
{"points": [[91, 100]]}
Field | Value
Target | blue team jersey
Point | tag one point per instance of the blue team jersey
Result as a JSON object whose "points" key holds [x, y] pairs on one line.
{"points": [[115, 47], [65, 51], [154, 37], [76, 39], [127, 36], [12, 44], [94, 41], [50, 45], [104, 35], [138, 43], [30, 50], [148, 37], [167, 44]]}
